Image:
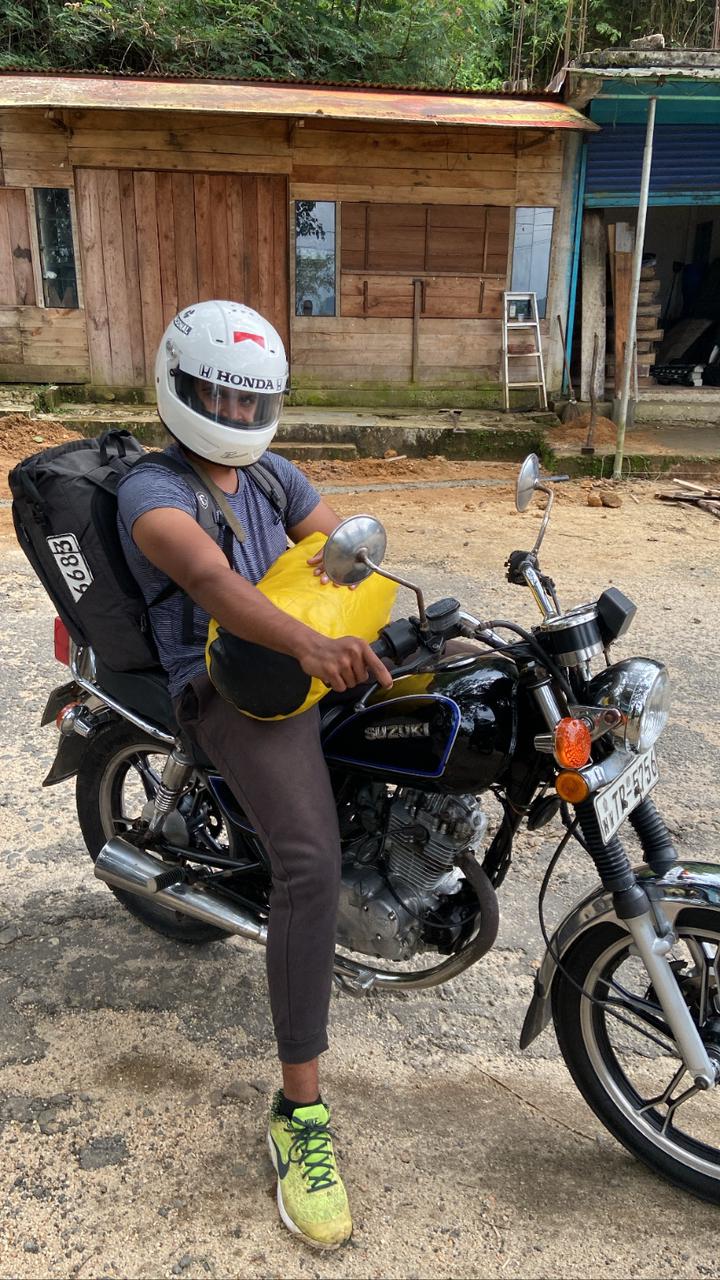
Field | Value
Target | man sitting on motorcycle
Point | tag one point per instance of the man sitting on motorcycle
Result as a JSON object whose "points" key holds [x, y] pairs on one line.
{"points": [[220, 375]]}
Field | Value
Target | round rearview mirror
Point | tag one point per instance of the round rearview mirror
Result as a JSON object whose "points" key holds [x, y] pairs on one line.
{"points": [[360, 536], [526, 484]]}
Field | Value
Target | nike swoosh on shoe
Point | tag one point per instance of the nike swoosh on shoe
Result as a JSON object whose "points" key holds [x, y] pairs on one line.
{"points": [[281, 1165]]}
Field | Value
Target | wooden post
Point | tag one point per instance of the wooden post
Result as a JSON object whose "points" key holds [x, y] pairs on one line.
{"points": [[594, 304], [561, 258], [622, 280], [635, 288], [417, 308]]}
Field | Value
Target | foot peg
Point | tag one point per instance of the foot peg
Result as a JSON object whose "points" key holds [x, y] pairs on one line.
{"points": [[173, 875], [355, 984]]}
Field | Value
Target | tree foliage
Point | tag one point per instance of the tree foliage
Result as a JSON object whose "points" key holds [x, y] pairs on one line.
{"points": [[459, 44]]}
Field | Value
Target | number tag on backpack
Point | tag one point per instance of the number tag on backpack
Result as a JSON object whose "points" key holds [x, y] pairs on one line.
{"points": [[71, 563]]}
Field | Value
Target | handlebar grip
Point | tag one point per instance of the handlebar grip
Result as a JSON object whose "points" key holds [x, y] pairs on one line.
{"points": [[397, 641], [381, 647]]}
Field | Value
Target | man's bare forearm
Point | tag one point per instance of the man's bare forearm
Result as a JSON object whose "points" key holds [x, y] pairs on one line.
{"points": [[244, 611]]}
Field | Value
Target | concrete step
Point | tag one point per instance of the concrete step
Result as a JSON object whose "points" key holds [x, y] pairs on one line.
{"points": [[306, 433], [144, 424], [302, 451]]}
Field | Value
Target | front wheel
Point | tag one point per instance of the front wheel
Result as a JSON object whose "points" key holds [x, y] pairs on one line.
{"points": [[621, 1053], [117, 780]]}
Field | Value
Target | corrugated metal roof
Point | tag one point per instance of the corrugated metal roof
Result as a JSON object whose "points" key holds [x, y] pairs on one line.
{"points": [[272, 98], [211, 77]]}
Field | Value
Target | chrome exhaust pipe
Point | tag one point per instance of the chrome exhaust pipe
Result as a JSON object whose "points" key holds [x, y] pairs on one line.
{"points": [[123, 866]]}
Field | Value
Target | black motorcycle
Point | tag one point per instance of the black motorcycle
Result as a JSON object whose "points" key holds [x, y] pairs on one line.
{"points": [[631, 978]]}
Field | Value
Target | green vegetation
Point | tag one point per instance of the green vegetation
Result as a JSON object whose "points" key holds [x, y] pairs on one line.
{"points": [[459, 44]]}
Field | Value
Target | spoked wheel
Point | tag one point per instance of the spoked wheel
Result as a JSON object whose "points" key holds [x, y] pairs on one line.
{"points": [[622, 1056], [117, 781]]}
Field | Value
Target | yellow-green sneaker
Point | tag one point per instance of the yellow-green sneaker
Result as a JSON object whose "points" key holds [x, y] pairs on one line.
{"points": [[311, 1198]]}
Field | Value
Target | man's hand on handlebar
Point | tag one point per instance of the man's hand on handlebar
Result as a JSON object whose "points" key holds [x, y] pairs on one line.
{"points": [[342, 664]]}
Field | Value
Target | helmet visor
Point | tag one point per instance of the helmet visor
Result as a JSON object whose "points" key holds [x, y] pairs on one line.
{"points": [[231, 406]]}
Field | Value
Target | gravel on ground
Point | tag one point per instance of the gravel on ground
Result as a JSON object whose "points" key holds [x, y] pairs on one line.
{"points": [[135, 1074]]}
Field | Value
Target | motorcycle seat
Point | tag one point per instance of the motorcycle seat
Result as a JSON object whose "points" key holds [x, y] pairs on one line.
{"points": [[146, 693]]}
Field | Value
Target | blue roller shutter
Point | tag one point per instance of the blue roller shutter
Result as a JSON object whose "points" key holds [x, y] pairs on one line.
{"points": [[685, 168]]}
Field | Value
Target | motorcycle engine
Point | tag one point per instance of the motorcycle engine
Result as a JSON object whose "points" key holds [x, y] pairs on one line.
{"points": [[391, 883]]}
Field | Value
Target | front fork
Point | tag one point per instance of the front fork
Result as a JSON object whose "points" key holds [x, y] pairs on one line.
{"points": [[649, 929]]}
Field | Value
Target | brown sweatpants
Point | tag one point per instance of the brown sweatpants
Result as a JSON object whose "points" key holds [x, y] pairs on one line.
{"points": [[277, 772]]}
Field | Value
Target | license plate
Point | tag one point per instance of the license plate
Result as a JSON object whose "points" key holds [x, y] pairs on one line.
{"points": [[71, 563], [615, 802]]}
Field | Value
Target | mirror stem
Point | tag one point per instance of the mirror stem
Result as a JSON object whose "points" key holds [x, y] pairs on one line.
{"points": [[540, 595], [364, 558], [543, 488]]}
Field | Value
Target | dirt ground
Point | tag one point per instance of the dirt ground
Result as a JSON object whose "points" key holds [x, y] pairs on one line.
{"points": [[135, 1074], [21, 435]]}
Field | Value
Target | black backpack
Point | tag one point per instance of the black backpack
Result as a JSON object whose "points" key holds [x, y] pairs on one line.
{"points": [[65, 515]]}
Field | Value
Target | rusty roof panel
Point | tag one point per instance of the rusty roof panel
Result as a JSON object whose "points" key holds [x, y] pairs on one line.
{"points": [[316, 101]]}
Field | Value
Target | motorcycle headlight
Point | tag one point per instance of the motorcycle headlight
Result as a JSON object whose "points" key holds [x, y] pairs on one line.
{"points": [[640, 689]]}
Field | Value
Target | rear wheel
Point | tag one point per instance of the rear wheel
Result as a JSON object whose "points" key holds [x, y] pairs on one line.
{"points": [[118, 778], [622, 1056]]}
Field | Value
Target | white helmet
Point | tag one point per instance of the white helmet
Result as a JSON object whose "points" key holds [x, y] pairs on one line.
{"points": [[220, 375]]}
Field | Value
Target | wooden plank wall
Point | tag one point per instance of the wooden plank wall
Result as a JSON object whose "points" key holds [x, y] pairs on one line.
{"points": [[37, 344], [184, 156], [42, 345], [459, 336], [331, 352], [34, 149], [447, 296], [17, 283], [472, 239], [155, 242], [177, 140], [354, 161]]}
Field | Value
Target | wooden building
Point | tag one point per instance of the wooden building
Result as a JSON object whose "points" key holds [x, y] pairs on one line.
{"points": [[376, 228]]}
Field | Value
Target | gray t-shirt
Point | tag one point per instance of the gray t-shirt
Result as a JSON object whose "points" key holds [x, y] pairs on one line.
{"points": [[144, 490]]}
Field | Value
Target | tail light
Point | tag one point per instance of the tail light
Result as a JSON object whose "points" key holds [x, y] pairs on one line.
{"points": [[62, 642]]}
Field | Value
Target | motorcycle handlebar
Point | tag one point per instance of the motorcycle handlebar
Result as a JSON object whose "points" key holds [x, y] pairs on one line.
{"points": [[397, 641]]}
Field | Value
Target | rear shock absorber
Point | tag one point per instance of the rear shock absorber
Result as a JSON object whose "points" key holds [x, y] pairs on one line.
{"points": [[175, 778]]}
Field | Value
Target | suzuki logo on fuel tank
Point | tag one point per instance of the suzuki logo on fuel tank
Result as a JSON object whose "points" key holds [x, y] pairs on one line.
{"points": [[384, 731]]}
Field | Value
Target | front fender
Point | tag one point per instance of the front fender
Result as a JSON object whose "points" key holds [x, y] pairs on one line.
{"points": [[687, 884]]}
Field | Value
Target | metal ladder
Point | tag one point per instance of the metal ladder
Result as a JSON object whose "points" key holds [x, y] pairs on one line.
{"points": [[520, 312]]}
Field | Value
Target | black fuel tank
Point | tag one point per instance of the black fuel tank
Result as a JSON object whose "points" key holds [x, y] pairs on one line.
{"points": [[451, 727]]}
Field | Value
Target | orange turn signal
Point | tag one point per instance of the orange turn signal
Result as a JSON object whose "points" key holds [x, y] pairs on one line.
{"points": [[573, 743], [69, 706], [572, 787]]}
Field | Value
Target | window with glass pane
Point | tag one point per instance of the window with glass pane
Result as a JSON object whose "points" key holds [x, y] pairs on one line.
{"points": [[531, 253], [314, 258], [57, 253]]}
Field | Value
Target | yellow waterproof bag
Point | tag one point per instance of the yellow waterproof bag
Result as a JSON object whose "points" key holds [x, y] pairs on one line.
{"points": [[267, 685]]}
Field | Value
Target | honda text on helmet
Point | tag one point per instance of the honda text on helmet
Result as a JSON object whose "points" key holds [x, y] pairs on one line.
{"points": [[220, 374]]}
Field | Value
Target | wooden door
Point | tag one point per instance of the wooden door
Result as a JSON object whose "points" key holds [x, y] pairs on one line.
{"points": [[154, 242]]}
